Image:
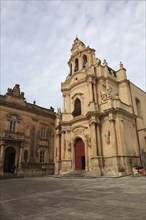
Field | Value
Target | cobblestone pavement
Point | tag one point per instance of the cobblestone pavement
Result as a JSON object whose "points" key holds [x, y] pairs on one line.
{"points": [[49, 198]]}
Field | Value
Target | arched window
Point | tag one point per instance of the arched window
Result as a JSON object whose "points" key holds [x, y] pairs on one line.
{"points": [[76, 65], [138, 107], [77, 108], [84, 61]]}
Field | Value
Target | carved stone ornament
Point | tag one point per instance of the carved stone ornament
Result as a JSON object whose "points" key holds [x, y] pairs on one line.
{"points": [[106, 95], [79, 131], [107, 135], [15, 92], [88, 139], [68, 143]]}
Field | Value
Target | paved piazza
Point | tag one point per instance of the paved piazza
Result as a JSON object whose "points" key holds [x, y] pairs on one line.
{"points": [[50, 198]]}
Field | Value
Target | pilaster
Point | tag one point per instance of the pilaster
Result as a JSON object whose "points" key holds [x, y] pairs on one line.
{"points": [[1, 159]]}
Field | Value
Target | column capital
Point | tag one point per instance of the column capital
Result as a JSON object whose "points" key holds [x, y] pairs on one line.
{"points": [[98, 122], [2, 142], [92, 122], [111, 117], [90, 79]]}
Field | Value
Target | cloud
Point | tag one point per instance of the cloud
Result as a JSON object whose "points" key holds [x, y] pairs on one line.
{"points": [[36, 38]]}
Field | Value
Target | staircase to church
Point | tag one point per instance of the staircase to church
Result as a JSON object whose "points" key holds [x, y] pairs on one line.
{"points": [[77, 174]]}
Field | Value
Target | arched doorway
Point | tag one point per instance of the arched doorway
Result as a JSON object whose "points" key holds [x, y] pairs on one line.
{"points": [[9, 160], [79, 155]]}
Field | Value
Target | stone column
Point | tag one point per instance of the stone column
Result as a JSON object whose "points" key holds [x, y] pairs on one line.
{"points": [[99, 139], [121, 141], [62, 146], [114, 141], [95, 94], [57, 152], [87, 154], [20, 172], [90, 89], [113, 132], [93, 138], [99, 146], [95, 168], [2, 159], [64, 103]]}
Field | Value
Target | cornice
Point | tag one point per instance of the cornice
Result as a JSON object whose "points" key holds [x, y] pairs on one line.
{"points": [[74, 120], [29, 108], [119, 110]]}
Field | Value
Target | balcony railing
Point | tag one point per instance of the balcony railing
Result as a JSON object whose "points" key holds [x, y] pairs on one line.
{"points": [[9, 135]]}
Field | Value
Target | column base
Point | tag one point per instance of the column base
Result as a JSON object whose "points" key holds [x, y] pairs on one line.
{"points": [[66, 166], [20, 171], [96, 168], [1, 169]]}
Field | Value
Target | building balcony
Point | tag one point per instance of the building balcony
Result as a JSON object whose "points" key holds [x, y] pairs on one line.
{"points": [[9, 135]]}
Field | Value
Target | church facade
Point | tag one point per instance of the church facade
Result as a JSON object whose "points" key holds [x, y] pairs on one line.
{"points": [[102, 128]]}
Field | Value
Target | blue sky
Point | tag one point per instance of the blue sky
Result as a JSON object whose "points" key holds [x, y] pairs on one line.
{"points": [[36, 38]]}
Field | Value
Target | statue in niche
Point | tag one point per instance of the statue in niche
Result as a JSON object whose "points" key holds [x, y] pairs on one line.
{"points": [[106, 95], [69, 145], [107, 136], [109, 95], [88, 141]]}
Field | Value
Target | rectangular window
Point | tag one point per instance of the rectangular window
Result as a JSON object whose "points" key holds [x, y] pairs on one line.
{"points": [[13, 126], [42, 156], [43, 133]]}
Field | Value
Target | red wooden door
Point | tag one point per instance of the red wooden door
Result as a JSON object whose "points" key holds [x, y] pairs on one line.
{"points": [[79, 155]]}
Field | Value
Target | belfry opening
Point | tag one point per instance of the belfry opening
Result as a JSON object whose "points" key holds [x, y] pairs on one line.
{"points": [[79, 154]]}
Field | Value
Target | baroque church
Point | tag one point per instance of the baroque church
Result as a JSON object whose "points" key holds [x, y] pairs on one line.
{"points": [[101, 130]]}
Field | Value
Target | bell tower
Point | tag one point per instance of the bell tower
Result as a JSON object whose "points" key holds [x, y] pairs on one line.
{"points": [[80, 112], [78, 89]]}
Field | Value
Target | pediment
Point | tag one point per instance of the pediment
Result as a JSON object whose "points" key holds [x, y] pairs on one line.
{"points": [[76, 78]]}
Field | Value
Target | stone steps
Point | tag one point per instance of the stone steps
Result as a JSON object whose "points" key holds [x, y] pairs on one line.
{"points": [[77, 173]]}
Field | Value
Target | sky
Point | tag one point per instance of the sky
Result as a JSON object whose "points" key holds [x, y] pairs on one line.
{"points": [[37, 35]]}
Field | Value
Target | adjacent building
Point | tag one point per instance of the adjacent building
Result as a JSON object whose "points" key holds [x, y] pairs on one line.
{"points": [[26, 136]]}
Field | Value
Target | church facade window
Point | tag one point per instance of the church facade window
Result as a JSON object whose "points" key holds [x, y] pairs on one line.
{"points": [[77, 108], [43, 133], [12, 126], [84, 61], [76, 65]]}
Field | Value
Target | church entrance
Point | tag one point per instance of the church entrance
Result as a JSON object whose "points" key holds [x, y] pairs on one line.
{"points": [[9, 160], [79, 155]]}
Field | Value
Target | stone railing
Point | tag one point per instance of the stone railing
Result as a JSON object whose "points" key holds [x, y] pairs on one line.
{"points": [[9, 135]]}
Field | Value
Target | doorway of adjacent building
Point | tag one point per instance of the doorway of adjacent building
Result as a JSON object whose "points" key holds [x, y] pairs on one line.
{"points": [[79, 155], [9, 160]]}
